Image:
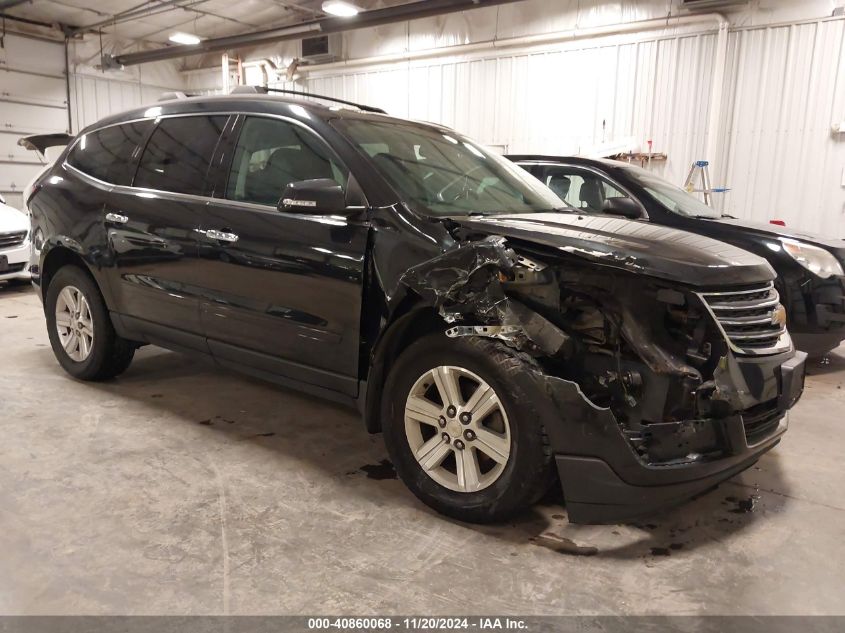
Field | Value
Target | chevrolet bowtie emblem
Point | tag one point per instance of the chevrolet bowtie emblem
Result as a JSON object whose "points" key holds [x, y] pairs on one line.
{"points": [[779, 315]]}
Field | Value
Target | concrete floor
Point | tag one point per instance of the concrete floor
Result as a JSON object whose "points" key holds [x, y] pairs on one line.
{"points": [[182, 489]]}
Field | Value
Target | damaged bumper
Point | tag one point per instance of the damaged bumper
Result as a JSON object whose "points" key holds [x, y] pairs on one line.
{"points": [[605, 480], [656, 392]]}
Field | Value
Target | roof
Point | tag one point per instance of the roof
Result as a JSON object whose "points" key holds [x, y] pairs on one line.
{"points": [[252, 103], [602, 163]]}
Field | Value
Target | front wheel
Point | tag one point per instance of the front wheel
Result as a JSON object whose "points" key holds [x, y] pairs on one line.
{"points": [[463, 436], [80, 330]]}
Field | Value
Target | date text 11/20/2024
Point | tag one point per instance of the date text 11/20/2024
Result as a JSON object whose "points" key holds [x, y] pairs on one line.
{"points": [[417, 623]]}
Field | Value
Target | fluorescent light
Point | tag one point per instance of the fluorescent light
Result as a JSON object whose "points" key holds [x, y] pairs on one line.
{"points": [[340, 8], [184, 38]]}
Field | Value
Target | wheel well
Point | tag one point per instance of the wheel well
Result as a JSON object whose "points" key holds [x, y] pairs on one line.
{"points": [[56, 259], [416, 322]]}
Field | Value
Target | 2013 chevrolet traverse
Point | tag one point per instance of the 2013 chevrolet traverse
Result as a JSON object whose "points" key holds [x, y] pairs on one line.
{"points": [[492, 333]]}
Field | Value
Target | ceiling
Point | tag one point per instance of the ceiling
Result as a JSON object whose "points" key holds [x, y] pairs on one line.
{"points": [[154, 20]]}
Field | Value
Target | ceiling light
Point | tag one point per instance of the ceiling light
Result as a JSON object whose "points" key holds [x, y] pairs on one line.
{"points": [[184, 38], [340, 8]]}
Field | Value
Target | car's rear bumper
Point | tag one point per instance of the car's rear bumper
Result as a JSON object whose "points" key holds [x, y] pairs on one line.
{"points": [[605, 480]]}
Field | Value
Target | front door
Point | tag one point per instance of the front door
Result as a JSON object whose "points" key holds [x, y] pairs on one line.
{"points": [[282, 290]]}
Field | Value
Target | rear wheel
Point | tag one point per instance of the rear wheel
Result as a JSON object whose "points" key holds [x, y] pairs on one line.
{"points": [[80, 329], [464, 437]]}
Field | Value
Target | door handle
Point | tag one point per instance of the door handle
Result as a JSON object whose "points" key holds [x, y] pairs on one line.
{"points": [[117, 217], [221, 236]]}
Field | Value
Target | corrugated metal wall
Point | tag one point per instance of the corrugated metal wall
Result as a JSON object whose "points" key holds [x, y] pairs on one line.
{"points": [[784, 87], [560, 101], [94, 97], [33, 99]]}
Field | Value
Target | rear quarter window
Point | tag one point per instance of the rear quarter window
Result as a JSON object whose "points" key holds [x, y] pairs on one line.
{"points": [[108, 154]]}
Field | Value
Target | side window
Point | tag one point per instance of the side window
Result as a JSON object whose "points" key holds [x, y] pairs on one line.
{"points": [[558, 180], [178, 154], [270, 154], [107, 154], [612, 192], [580, 189]]}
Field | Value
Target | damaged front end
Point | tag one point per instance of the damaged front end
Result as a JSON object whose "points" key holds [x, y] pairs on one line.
{"points": [[657, 390]]}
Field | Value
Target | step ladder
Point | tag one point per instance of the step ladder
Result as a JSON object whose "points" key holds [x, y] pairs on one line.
{"points": [[700, 168]]}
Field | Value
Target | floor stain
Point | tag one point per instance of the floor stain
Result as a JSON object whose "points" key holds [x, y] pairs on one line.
{"points": [[563, 545], [383, 470], [205, 422]]}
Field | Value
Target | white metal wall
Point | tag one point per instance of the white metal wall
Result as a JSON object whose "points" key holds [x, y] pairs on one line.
{"points": [[33, 99], [94, 97], [784, 87], [558, 102], [779, 155]]}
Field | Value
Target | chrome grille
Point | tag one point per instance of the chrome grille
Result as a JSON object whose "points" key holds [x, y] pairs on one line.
{"points": [[8, 240], [746, 318]]}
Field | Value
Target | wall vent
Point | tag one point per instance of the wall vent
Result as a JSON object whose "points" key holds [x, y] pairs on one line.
{"points": [[322, 48]]}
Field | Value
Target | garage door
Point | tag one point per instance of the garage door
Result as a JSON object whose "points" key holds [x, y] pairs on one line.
{"points": [[33, 99]]}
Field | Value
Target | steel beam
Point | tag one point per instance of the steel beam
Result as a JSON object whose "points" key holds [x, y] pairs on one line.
{"points": [[365, 19]]}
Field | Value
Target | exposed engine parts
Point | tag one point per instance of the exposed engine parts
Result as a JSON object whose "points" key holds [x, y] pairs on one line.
{"points": [[647, 352]]}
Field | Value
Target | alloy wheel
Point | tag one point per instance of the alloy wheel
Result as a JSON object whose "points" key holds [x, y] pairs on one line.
{"points": [[74, 323], [457, 429]]}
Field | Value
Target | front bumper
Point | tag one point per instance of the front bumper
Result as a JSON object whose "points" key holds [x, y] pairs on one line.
{"points": [[605, 480], [17, 259]]}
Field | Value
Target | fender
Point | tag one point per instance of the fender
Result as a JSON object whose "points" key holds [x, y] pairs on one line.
{"points": [[61, 249]]}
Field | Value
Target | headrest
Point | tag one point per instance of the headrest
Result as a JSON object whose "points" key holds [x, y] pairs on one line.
{"points": [[590, 193], [560, 185]]}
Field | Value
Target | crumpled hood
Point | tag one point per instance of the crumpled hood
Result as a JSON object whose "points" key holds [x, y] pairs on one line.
{"points": [[638, 247], [12, 220]]}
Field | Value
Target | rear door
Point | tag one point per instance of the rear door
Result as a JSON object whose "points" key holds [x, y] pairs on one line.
{"points": [[282, 291], [152, 231]]}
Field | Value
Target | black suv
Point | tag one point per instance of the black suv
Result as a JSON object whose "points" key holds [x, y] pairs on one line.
{"points": [[490, 332], [810, 277]]}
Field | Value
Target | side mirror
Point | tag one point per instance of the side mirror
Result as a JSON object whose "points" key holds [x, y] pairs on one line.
{"points": [[626, 207], [318, 196]]}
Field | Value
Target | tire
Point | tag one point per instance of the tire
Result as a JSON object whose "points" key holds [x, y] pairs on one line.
{"points": [[506, 488], [107, 354]]}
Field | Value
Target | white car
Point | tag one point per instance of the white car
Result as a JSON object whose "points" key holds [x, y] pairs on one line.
{"points": [[15, 225], [14, 243]]}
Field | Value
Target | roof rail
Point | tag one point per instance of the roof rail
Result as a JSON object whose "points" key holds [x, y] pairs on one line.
{"points": [[169, 96], [265, 90]]}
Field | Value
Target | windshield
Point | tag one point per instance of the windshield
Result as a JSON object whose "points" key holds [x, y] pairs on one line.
{"points": [[443, 174], [673, 198]]}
